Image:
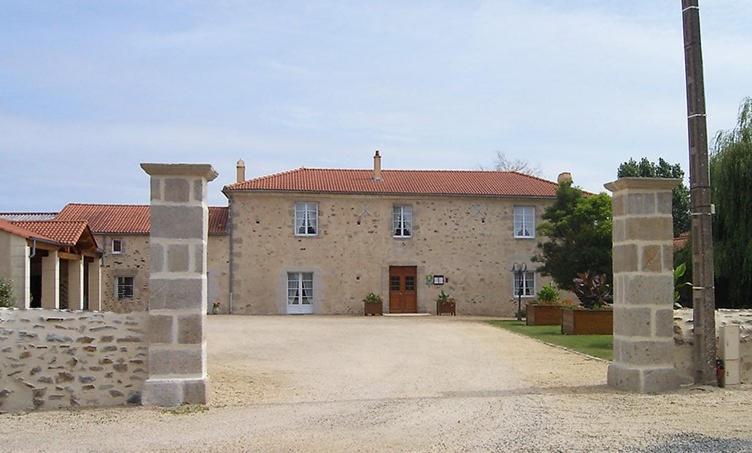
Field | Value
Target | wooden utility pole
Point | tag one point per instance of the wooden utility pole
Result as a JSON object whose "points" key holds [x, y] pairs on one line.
{"points": [[703, 291]]}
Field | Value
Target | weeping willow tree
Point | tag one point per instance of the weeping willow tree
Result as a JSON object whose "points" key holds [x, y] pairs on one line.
{"points": [[731, 182]]}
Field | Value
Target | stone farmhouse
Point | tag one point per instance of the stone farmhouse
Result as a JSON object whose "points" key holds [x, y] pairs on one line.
{"points": [[303, 241]]}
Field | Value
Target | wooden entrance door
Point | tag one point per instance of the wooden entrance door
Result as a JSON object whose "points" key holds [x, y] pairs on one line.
{"points": [[403, 289]]}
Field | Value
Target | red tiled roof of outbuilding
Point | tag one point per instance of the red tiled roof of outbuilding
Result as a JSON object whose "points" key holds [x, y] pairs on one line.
{"points": [[129, 218], [421, 182], [20, 231], [63, 232]]}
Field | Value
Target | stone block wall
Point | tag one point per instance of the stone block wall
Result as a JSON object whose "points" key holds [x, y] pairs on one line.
{"points": [[684, 340], [51, 359]]}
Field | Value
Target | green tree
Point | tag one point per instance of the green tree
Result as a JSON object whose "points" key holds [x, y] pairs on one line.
{"points": [[577, 228], [6, 293], [648, 169], [731, 185]]}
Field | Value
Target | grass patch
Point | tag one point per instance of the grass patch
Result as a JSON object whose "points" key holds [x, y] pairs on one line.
{"points": [[188, 409], [600, 346]]}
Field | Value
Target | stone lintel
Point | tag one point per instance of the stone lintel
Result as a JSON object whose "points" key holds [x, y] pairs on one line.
{"points": [[656, 184], [186, 170]]}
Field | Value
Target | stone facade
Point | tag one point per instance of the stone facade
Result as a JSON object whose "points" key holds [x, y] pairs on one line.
{"points": [[51, 359], [469, 240], [134, 261], [684, 341], [643, 285]]}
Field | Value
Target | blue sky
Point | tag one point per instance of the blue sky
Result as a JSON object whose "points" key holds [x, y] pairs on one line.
{"points": [[88, 89]]}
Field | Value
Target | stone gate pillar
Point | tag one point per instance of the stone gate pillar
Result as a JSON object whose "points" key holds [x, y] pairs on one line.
{"points": [[643, 285], [177, 284]]}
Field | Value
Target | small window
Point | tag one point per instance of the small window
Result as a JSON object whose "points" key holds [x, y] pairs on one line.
{"points": [[306, 219], [117, 246], [403, 221], [524, 221], [524, 282], [394, 283], [300, 288], [124, 287]]}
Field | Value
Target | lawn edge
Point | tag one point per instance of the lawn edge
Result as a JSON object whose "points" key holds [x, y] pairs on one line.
{"points": [[546, 342]]}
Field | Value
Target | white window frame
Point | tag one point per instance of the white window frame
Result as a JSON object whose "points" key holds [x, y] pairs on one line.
{"points": [[294, 301], [525, 214], [308, 209], [117, 252], [528, 276], [118, 285], [402, 220]]}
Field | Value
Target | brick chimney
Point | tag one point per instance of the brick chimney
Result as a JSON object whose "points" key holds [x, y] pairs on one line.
{"points": [[377, 166], [240, 171], [564, 177]]}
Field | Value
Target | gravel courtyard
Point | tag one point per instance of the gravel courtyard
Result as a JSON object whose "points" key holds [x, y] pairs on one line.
{"points": [[397, 384]]}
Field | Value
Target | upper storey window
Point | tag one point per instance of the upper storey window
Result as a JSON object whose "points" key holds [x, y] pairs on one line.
{"points": [[524, 221], [306, 219], [117, 246], [403, 221]]}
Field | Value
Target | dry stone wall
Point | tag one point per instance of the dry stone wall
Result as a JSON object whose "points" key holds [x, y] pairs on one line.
{"points": [[684, 341], [51, 359]]}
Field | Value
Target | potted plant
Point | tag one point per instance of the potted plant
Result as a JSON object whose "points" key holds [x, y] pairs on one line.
{"points": [[215, 308], [594, 316], [547, 310], [373, 305], [445, 304]]}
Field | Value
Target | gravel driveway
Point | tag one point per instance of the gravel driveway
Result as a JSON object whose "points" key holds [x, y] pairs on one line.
{"points": [[397, 384]]}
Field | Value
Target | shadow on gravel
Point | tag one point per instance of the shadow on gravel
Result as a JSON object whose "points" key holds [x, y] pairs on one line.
{"points": [[698, 443]]}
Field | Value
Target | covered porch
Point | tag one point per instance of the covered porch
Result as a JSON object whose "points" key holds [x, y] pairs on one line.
{"points": [[53, 264]]}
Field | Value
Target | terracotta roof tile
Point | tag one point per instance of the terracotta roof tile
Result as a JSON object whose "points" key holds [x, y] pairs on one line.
{"points": [[64, 232], [20, 231], [129, 219], [426, 182]]}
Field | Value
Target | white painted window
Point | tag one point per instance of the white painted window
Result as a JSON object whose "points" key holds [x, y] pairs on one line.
{"points": [[300, 292], [403, 221], [524, 221], [306, 219], [525, 281], [117, 246], [124, 287]]}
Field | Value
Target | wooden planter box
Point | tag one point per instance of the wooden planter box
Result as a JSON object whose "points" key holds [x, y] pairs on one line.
{"points": [[587, 322], [543, 315], [373, 309], [446, 308]]}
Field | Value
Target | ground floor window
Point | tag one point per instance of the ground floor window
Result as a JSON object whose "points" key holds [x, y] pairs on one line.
{"points": [[124, 287], [300, 292], [524, 281]]}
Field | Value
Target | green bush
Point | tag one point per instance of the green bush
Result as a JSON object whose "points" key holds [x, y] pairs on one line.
{"points": [[548, 294], [6, 294], [372, 298]]}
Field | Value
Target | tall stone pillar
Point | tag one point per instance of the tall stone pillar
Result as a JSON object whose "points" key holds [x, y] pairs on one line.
{"points": [[51, 280], [643, 285], [95, 284], [76, 284], [177, 284]]}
